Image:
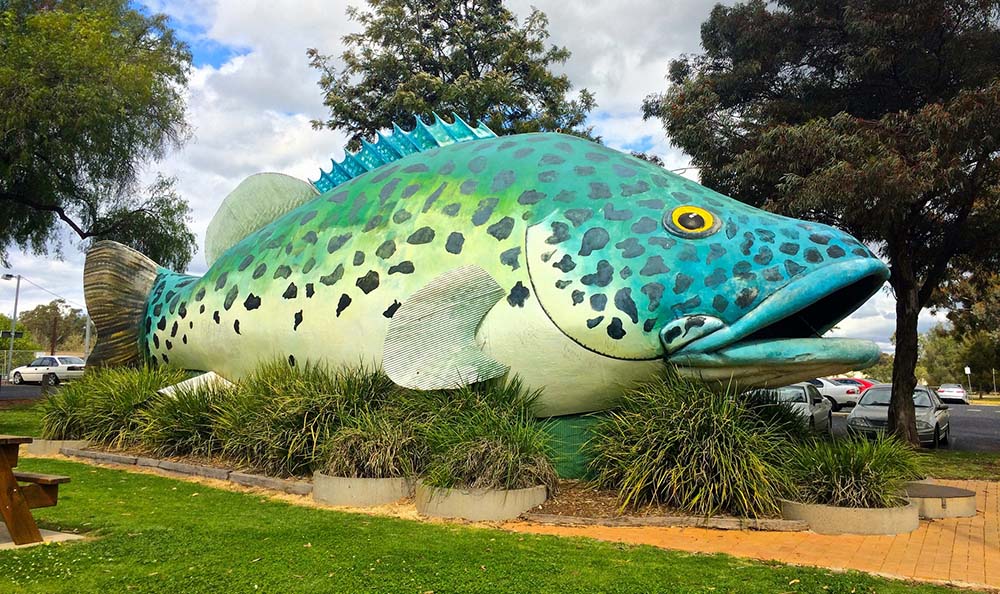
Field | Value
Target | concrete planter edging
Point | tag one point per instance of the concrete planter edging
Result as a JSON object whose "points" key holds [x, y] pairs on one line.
{"points": [[478, 504], [359, 492], [827, 519], [52, 447]]}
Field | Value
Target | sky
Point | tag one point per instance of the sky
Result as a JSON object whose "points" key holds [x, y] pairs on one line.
{"points": [[252, 95]]}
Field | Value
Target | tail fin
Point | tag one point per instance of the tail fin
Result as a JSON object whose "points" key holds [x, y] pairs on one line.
{"points": [[117, 281]]}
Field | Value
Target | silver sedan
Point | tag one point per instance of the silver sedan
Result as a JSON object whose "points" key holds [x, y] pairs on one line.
{"points": [[806, 400], [871, 415]]}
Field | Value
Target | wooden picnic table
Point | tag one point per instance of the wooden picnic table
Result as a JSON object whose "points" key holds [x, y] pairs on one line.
{"points": [[16, 500]]}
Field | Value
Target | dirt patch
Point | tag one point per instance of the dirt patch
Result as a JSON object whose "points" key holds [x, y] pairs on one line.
{"points": [[5, 404], [580, 499]]}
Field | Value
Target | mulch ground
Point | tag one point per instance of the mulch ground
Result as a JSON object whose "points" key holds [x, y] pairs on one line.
{"points": [[580, 499]]}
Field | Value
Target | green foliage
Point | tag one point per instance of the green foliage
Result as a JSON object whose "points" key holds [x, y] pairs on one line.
{"points": [[24, 347], [91, 92], [778, 416], [374, 444], [469, 57], [840, 112], [106, 406], [486, 436], [942, 357], [677, 442], [882, 370], [69, 328], [184, 422], [853, 472]]}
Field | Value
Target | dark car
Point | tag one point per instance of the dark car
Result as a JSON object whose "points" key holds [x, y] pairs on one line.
{"points": [[871, 416]]}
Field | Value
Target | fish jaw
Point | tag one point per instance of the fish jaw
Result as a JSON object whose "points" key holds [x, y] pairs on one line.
{"points": [[779, 341]]}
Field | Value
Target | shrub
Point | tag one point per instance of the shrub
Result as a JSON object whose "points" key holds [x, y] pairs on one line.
{"points": [[777, 415], [853, 472], [678, 442], [106, 404], [184, 422], [485, 436], [374, 444]]}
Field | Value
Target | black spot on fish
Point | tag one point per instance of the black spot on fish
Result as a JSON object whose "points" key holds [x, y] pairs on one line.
{"points": [[715, 251], [616, 215], [672, 334], [731, 229], [484, 211], [184, 339], [653, 292], [401, 216], [653, 203], [681, 283], [720, 303], [529, 197], [688, 254], [789, 248], [765, 235], [454, 243], [166, 359], [602, 277], [334, 276], [282, 272], [633, 189], [746, 297], [654, 265], [594, 239], [421, 236], [452, 209], [820, 238], [156, 341], [518, 294], [644, 225], [688, 305], [201, 308], [345, 300], [772, 274], [359, 258], [715, 279], [625, 304], [309, 266], [215, 316], [564, 147], [578, 216], [246, 262], [577, 297], [373, 222], [560, 233], [562, 284], [291, 292], [501, 229], [599, 191], [219, 284], [252, 302], [742, 270], [257, 273], [417, 168], [201, 292], [595, 157], [565, 196], [664, 242], [523, 152], [169, 344], [862, 252], [584, 170], [404, 267], [793, 268], [158, 309], [615, 329], [391, 310], [298, 320], [649, 324], [835, 251], [509, 258], [548, 176], [231, 297], [623, 171], [747, 243], [813, 256], [173, 330], [409, 191], [387, 190], [551, 160], [386, 250], [447, 168], [384, 172], [309, 237], [565, 264], [369, 282], [433, 197], [598, 302], [337, 242], [789, 232], [477, 164], [630, 248], [594, 322], [339, 197], [764, 256], [503, 180]]}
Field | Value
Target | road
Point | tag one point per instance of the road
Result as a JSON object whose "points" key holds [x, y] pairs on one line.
{"points": [[974, 428], [22, 392]]}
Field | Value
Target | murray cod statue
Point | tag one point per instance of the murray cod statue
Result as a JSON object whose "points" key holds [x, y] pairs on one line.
{"points": [[449, 255]]}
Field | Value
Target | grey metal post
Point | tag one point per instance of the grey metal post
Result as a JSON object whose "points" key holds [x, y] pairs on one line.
{"points": [[13, 328], [86, 339]]}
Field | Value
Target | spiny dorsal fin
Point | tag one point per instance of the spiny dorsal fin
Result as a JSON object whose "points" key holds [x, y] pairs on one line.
{"points": [[258, 200], [397, 145]]}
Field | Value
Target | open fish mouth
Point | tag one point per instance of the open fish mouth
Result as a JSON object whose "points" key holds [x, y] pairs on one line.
{"points": [[780, 339]]}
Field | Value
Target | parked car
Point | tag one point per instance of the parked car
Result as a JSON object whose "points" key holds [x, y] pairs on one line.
{"points": [[837, 394], [953, 393], [51, 369], [862, 383], [806, 400], [871, 415]]}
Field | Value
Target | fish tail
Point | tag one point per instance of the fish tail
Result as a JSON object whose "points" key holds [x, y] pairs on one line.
{"points": [[117, 281]]}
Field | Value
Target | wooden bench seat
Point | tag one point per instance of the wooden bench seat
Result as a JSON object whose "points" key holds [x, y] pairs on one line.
{"points": [[40, 479]]}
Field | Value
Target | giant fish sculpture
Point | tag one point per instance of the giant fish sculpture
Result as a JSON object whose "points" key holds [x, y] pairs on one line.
{"points": [[449, 255]]}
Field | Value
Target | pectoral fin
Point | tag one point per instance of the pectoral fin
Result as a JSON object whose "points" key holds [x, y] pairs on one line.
{"points": [[431, 340]]}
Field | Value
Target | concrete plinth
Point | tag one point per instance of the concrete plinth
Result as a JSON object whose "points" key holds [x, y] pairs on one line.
{"points": [[935, 502], [478, 504], [359, 492], [827, 519]]}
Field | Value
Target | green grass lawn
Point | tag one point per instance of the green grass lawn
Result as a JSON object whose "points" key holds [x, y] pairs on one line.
{"points": [[24, 419], [154, 534], [948, 464]]}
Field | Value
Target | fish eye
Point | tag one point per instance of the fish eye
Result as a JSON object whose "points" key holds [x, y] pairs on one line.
{"points": [[691, 221]]}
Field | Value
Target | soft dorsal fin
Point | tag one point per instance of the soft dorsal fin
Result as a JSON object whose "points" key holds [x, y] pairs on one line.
{"points": [[255, 202], [397, 145]]}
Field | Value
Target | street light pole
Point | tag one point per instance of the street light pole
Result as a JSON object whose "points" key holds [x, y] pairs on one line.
{"points": [[13, 325]]}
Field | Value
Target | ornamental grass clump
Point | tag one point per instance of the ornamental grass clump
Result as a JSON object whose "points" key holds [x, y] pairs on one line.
{"points": [[853, 472], [486, 436], [677, 442], [374, 444], [184, 422]]}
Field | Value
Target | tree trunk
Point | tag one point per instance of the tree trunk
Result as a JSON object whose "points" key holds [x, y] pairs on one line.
{"points": [[902, 420]]}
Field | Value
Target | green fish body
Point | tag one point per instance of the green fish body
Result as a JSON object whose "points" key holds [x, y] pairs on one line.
{"points": [[573, 265]]}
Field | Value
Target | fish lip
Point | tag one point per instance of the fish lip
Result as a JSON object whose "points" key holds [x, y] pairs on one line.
{"points": [[861, 279]]}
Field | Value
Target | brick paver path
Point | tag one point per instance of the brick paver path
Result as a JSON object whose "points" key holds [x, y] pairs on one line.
{"points": [[963, 551]]}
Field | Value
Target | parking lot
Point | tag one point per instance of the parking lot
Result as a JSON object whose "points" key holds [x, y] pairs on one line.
{"points": [[975, 428]]}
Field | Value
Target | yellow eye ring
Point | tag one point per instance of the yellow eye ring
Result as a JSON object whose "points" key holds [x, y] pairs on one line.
{"points": [[691, 221]]}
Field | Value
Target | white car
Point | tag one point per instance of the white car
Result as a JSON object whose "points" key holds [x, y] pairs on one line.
{"points": [[51, 369], [953, 393], [806, 400], [836, 393]]}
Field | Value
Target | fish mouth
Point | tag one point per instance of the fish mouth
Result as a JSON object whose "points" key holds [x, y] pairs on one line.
{"points": [[786, 326]]}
